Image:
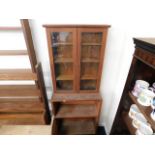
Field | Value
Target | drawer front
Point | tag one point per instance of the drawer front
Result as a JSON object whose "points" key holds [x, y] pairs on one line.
{"points": [[145, 56]]}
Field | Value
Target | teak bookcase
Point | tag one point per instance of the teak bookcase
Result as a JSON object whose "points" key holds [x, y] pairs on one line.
{"points": [[23, 104], [76, 55], [142, 68]]}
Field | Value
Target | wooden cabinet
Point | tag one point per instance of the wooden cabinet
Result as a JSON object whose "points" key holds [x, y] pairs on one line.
{"points": [[142, 67], [76, 57], [76, 113]]}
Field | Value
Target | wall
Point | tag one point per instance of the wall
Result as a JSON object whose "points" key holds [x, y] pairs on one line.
{"points": [[130, 18]]}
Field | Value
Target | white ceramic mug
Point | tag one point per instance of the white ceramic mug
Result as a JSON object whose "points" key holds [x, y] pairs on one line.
{"points": [[144, 130], [133, 111], [139, 86], [138, 120], [146, 97]]}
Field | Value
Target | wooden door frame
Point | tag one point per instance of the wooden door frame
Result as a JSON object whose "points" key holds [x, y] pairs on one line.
{"points": [[50, 51], [102, 53]]}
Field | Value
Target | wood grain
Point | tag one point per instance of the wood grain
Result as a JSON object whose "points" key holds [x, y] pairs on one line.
{"points": [[17, 74], [13, 52], [76, 111]]}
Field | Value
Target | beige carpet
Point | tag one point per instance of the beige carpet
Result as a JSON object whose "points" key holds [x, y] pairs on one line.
{"points": [[25, 130]]}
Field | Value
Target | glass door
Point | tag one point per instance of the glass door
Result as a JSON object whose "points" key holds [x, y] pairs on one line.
{"points": [[90, 53], [63, 44]]}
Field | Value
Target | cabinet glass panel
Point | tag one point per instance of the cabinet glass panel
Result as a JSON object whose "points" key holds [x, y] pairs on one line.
{"points": [[62, 47], [90, 56]]}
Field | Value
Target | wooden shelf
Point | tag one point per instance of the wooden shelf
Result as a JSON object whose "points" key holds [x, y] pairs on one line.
{"points": [[91, 60], [91, 44], [17, 74], [88, 77], [76, 111], [64, 77], [61, 44], [21, 107], [22, 119], [19, 91], [13, 52], [128, 122], [146, 111], [77, 127], [10, 28], [76, 96], [63, 60]]}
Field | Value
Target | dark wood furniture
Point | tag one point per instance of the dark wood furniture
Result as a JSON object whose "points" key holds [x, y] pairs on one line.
{"points": [[23, 104], [76, 56], [142, 67]]}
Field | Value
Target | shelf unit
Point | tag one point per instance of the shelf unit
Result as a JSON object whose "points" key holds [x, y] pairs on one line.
{"points": [[75, 114], [23, 104], [76, 56], [142, 67]]}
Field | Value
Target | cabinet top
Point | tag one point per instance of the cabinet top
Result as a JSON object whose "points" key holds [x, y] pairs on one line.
{"points": [[75, 26], [145, 43]]}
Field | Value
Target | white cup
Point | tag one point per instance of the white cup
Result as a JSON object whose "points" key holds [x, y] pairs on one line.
{"points": [[146, 97], [144, 130], [139, 120], [133, 111], [139, 86]]}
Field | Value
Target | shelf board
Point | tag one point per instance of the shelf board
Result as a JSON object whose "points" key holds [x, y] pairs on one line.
{"points": [[21, 107], [91, 44], [63, 60], [128, 122], [13, 52], [78, 126], [17, 74], [61, 44], [76, 111], [146, 111], [88, 77], [76, 96], [89, 60], [10, 28], [7, 91], [64, 77]]}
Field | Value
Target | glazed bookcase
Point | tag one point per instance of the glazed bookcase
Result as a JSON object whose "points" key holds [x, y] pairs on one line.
{"points": [[76, 58]]}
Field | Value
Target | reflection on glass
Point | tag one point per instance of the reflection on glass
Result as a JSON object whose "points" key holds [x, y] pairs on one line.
{"points": [[91, 37], [90, 55], [63, 63], [88, 85]]}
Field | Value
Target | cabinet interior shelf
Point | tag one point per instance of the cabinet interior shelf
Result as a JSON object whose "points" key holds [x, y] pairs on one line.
{"points": [[89, 60], [145, 110], [61, 44], [64, 77], [76, 126], [63, 60], [91, 44], [88, 77], [76, 111]]}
